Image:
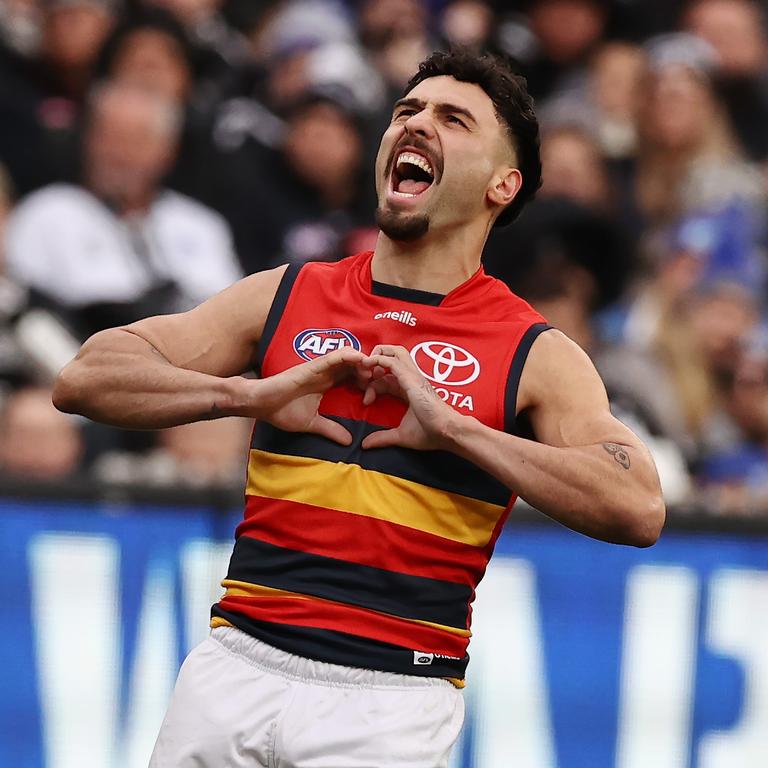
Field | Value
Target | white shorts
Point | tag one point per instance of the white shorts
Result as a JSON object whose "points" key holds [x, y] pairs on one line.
{"points": [[239, 702]]}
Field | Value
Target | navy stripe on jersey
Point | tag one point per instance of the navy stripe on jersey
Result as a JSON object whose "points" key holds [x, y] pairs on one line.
{"points": [[515, 372], [398, 594], [413, 295], [342, 648], [276, 311], [436, 469]]}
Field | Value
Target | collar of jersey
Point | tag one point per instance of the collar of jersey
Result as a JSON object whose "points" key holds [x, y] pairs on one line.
{"points": [[467, 291]]}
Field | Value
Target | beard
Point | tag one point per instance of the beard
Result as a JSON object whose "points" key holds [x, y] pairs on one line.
{"points": [[402, 226]]}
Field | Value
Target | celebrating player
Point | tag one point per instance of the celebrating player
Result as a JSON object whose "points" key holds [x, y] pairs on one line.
{"points": [[394, 391]]}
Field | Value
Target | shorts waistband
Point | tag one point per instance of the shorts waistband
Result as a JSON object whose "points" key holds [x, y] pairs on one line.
{"points": [[265, 656]]}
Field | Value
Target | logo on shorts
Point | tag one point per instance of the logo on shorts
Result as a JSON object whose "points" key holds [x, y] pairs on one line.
{"points": [[444, 363], [316, 342], [421, 658]]}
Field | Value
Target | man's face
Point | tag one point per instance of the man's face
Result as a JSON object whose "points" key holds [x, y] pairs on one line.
{"points": [[127, 152], [441, 155]]}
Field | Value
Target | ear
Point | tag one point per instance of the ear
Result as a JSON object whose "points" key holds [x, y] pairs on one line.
{"points": [[504, 187]]}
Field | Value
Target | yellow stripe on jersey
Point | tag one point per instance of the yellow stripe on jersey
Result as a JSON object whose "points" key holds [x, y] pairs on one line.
{"points": [[244, 589], [350, 488]]}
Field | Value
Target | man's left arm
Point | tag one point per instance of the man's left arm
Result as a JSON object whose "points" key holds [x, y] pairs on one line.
{"points": [[586, 469]]}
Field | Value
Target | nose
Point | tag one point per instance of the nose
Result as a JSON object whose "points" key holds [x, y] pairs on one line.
{"points": [[421, 124]]}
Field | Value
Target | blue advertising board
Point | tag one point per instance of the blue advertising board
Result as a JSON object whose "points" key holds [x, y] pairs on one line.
{"points": [[584, 655]]}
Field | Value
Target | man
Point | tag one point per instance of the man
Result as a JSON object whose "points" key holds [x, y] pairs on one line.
{"points": [[120, 246], [382, 466]]}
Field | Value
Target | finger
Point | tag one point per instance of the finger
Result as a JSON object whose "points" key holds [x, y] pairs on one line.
{"points": [[330, 429], [362, 378], [345, 356], [384, 362], [370, 395], [382, 439], [390, 350]]}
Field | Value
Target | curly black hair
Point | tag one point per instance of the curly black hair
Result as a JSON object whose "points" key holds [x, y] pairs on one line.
{"points": [[512, 103]]}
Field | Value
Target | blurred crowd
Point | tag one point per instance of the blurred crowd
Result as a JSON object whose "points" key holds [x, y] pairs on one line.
{"points": [[154, 151]]}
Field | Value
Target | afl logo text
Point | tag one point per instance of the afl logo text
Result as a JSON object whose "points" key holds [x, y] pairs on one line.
{"points": [[444, 363], [316, 342]]}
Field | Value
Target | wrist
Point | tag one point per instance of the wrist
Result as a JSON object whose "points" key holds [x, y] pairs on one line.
{"points": [[456, 430], [239, 397]]}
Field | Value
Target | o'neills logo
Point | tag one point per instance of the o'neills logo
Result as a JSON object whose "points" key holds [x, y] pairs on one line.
{"points": [[401, 317], [316, 342]]}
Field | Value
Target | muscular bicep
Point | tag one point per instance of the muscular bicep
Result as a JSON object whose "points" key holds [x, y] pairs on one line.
{"points": [[565, 400], [220, 335]]}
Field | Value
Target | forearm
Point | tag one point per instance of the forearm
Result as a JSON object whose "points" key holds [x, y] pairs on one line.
{"points": [[118, 378], [606, 491]]}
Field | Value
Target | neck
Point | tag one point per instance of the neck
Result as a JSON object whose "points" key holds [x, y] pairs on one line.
{"points": [[127, 203], [437, 264]]}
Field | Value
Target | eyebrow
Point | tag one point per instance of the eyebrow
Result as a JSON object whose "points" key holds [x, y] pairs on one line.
{"points": [[442, 107]]}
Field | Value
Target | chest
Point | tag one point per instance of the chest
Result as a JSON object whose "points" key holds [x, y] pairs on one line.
{"points": [[467, 361]]}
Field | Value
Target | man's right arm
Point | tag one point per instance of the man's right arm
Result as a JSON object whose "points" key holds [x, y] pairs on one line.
{"points": [[173, 369]]}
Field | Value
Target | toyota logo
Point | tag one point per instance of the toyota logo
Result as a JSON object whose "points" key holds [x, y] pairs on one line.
{"points": [[445, 363]]}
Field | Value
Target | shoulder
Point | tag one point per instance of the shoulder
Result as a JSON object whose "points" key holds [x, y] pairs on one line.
{"points": [[52, 215], [54, 199], [499, 303], [244, 304], [558, 370]]}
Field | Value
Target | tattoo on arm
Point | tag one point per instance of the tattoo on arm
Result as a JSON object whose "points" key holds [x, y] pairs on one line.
{"points": [[215, 412], [619, 454]]}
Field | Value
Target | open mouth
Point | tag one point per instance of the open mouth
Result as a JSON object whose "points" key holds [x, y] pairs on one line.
{"points": [[412, 175]]}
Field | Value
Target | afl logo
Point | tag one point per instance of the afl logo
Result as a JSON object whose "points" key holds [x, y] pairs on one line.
{"points": [[445, 363], [316, 342]]}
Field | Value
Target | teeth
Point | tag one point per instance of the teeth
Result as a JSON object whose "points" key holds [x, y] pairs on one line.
{"points": [[403, 194], [417, 160]]}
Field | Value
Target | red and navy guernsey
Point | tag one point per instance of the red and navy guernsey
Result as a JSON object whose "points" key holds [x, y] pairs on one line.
{"points": [[370, 558]]}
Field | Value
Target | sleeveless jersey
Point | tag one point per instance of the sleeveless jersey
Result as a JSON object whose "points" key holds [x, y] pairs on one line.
{"points": [[370, 558]]}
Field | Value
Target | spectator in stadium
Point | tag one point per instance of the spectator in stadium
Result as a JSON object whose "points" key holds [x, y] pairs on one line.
{"points": [[209, 30], [315, 202], [149, 49], [615, 79], [694, 317], [574, 168], [41, 98], [36, 441], [468, 23], [603, 100], [396, 35], [12, 301], [201, 455], [736, 29], [120, 246], [689, 160], [558, 39], [734, 476]]}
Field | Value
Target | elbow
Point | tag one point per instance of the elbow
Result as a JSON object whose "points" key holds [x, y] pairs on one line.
{"points": [[645, 522], [66, 390]]}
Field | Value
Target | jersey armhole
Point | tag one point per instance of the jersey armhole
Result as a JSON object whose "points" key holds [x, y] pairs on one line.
{"points": [[515, 372], [276, 312]]}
